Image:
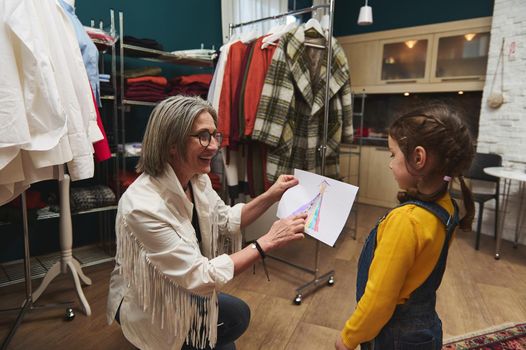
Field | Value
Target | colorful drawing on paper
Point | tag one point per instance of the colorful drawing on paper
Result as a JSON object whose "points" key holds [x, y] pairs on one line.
{"points": [[313, 209]]}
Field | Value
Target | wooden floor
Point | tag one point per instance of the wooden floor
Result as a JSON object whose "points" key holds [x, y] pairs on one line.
{"points": [[477, 292]]}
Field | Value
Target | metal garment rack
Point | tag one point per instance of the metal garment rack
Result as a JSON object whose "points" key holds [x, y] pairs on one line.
{"points": [[326, 278]]}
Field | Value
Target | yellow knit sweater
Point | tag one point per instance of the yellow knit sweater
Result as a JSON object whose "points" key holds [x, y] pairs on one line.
{"points": [[409, 242]]}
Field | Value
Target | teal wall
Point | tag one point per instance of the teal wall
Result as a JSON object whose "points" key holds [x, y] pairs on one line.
{"points": [[177, 24], [391, 14], [180, 25]]}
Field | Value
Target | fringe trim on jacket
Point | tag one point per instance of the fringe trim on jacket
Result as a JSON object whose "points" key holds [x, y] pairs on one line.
{"points": [[184, 314]]}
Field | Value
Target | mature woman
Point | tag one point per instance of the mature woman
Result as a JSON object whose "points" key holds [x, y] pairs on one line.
{"points": [[173, 235]]}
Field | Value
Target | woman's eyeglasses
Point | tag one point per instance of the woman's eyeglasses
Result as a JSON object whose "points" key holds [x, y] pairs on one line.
{"points": [[205, 137]]}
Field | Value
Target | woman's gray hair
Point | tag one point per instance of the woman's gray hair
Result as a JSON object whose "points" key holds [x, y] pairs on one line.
{"points": [[169, 125]]}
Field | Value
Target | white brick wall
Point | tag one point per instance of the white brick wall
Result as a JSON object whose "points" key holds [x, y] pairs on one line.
{"points": [[503, 130]]}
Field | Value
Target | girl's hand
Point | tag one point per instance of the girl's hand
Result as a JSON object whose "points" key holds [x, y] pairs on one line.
{"points": [[283, 183], [283, 231], [340, 345]]}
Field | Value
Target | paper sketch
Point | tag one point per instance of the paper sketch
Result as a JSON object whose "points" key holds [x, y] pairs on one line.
{"points": [[313, 208], [328, 203]]}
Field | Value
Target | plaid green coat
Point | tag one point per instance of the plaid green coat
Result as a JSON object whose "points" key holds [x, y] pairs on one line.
{"points": [[291, 110]]}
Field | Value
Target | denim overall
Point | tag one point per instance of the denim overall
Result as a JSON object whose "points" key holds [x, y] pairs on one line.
{"points": [[414, 325]]}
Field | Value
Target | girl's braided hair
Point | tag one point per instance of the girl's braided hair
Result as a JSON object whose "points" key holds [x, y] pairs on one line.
{"points": [[439, 129]]}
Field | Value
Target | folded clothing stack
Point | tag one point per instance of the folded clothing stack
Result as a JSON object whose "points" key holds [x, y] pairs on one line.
{"points": [[85, 198], [190, 85], [100, 36], [146, 88], [145, 43], [199, 54]]}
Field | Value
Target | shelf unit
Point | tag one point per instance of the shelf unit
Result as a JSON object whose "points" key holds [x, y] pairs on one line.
{"points": [[12, 272], [147, 54]]}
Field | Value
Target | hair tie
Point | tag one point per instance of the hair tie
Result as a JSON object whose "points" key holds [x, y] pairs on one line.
{"points": [[447, 178]]}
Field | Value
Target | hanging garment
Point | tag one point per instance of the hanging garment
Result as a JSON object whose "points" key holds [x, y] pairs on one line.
{"points": [[101, 148], [258, 67], [231, 80], [46, 95], [90, 53], [33, 118], [73, 86], [216, 84], [291, 109]]}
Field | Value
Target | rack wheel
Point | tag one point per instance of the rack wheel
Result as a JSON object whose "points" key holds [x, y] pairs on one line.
{"points": [[69, 315], [330, 282], [297, 299]]}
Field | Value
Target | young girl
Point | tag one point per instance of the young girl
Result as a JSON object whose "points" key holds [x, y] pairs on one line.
{"points": [[404, 257]]}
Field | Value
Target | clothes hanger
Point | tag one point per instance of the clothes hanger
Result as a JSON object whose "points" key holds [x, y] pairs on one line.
{"points": [[313, 25], [271, 39]]}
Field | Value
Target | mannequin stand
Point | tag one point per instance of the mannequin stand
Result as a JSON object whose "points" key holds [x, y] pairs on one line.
{"points": [[67, 261], [28, 303]]}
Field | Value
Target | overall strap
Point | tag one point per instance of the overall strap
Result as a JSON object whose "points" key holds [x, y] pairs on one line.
{"points": [[450, 221], [426, 293]]}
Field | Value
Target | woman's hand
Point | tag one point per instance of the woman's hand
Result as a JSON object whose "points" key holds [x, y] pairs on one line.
{"points": [[284, 231], [340, 345], [283, 183]]}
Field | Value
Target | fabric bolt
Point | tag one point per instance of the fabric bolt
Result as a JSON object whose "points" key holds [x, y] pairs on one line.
{"points": [[157, 245], [401, 263], [291, 109], [261, 59], [90, 53]]}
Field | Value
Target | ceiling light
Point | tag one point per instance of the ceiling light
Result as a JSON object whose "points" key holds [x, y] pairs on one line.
{"points": [[469, 36], [366, 15], [410, 43], [406, 93], [461, 92]]}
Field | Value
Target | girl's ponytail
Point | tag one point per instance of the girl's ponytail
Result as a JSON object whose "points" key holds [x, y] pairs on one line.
{"points": [[467, 198]]}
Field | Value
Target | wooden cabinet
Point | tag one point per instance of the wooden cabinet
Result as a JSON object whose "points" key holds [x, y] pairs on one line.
{"points": [[460, 55], [440, 57], [376, 183], [405, 60]]}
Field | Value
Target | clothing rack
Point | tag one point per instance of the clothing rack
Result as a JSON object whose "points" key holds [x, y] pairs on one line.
{"points": [[66, 260], [328, 277]]}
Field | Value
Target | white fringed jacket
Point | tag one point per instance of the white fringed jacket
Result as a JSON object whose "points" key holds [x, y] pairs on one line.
{"points": [[162, 274]]}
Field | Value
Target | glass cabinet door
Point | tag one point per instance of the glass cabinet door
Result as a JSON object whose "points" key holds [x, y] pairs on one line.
{"points": [[405, 60], [462, 56]]}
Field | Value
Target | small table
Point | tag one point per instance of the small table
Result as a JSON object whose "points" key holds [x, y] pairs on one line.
{"points": [[508, 175]]}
